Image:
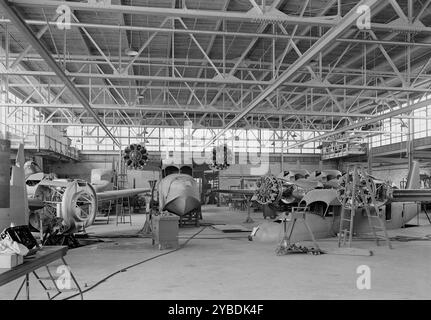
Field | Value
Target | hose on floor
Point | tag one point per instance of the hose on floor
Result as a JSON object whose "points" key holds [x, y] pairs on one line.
{"points": [[411, 238], [136, 264], [398, 238]]}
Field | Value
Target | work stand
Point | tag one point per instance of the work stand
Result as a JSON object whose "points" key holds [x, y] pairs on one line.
{"points": [[248, 203], [426, 214], [191, 218], [47, 290], [147, 228], [151, 208], [42, 259], [285, 246]]}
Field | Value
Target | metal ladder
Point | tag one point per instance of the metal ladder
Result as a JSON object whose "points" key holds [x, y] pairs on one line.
{"points": [[123, 209], [122, 181], [353, 187], [376, 217]]}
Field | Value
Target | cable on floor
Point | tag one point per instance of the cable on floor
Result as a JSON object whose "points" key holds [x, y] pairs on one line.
{"points": [[133, 236], [136, 264], [399, 238]]}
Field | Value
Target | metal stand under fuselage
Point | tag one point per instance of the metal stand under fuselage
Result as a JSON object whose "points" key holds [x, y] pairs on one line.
{"points": [[297, 213]]}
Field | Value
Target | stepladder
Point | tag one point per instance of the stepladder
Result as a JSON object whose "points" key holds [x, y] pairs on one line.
{"points": [[358, 195]]}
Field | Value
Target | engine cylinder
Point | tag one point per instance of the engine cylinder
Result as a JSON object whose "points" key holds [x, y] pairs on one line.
{"points": [[74, 201]]}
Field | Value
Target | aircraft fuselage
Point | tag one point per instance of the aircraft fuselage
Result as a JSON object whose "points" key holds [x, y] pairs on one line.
{"points": [[397, 215]]}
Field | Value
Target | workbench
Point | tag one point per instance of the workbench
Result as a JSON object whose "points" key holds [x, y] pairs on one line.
{"points": [[41, 259]]}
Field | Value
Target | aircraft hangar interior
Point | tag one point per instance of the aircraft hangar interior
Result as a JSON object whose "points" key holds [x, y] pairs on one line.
{"points": [[215, 149]]}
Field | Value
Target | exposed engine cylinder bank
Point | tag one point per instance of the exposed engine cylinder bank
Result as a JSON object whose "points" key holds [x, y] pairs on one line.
{"points": [[74, 201], [277, 192]]}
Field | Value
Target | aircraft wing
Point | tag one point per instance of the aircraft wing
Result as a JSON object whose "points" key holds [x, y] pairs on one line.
{"points": [[116, 194], [245, 192]]}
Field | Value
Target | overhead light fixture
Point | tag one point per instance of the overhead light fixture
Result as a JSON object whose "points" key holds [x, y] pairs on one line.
{"points": [[313, 63], [130, 52]]}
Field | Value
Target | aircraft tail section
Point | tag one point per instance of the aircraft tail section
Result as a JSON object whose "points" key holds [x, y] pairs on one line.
{"points": [[413, 177]]}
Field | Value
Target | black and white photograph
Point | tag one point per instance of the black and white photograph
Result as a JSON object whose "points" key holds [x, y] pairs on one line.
{"points": [[208, 157]]}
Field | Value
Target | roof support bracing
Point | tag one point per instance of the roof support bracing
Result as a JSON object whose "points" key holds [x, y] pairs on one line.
{"points": [[303, 36], [323, 42], [190, 108], [394, 113], [209, 47], [114, 69], [252, 43], [241, 16], [186, 13], [45, 54], [27, 49], [354, 78], [420, 88]]}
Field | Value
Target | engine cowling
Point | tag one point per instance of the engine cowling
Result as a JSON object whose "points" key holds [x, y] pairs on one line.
{"points": [[74, 201]]}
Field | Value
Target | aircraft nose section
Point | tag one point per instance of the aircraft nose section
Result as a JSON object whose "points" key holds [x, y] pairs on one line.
{"points": [[182, 205]]}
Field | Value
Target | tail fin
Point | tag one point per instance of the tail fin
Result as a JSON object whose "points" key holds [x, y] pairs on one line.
{"points": [[413, 177], [19, 210]]}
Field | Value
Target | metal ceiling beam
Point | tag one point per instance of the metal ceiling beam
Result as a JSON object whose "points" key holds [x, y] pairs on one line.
{"points": [[270, 84], [190, 108], [162, 62], [381, 66], [359, 124], [390, 160], [196, 89], [322, 43], [27, 49], [244, 16], [43, 23], [154, 63], [46, 55], [422, 154], [210, 45]]}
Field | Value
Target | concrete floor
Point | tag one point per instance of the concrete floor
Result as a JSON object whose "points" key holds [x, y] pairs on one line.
{"points": [[216, 265]]}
